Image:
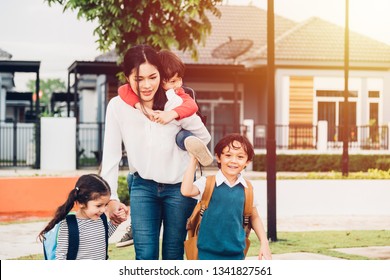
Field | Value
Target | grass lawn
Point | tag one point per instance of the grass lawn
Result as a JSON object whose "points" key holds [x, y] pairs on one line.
{"points": [[319, 242]]}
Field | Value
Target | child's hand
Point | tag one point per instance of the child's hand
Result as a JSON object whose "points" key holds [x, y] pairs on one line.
{"points": [[265, 252], [164, 117]]}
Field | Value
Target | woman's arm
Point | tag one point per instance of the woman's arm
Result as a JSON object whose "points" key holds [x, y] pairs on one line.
{"points": [[112, 155], [258, 227], [187, 186]]}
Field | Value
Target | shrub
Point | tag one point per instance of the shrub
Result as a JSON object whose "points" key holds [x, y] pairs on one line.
{"points": [[383, 163], [323, 163], [123, 190]]}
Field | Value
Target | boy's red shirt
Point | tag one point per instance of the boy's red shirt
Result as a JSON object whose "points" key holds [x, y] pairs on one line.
{"points": [[186, 109]]}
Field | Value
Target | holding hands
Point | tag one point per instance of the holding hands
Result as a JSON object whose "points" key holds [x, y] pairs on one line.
{"points": [[117, 212]]}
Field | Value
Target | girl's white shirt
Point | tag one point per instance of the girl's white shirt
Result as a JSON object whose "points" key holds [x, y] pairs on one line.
{"points": [[151, 147]]}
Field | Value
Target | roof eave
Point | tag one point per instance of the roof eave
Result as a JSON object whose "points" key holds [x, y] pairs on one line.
{"points": [[320, 64]]}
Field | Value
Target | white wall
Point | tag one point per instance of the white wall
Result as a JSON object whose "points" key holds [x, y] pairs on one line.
{"points": [[360, 81], [58, 144]]}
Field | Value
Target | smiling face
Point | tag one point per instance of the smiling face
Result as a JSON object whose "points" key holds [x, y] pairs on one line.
{"points": [[173, 83], [94, 208], [145, 83], [233, 160]]}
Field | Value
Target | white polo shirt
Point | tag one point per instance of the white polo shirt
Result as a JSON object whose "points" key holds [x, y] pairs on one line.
{"points": [[219, 180]]}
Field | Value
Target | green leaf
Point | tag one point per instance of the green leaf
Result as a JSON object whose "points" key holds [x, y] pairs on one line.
{"points": [[160, 23]]}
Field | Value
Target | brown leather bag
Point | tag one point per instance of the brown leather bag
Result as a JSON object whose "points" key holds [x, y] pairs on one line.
{"points": [[193, 222]]}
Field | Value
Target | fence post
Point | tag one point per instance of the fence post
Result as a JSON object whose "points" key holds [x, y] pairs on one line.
{"points": [[15, 143], [37, 143], [322, 141], [388, 136], [249, 133], [100, 141]]}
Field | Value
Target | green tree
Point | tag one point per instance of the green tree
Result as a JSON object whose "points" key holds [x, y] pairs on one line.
{"points": [[163, 24], [47, 86]]}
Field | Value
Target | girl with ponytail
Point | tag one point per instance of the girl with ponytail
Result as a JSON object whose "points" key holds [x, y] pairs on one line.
{"points": [[90, 197]]}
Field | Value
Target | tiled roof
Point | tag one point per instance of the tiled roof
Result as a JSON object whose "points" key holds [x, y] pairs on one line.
{"points": [[237, 22], [314, 40], [318, 40], [5, 55]]}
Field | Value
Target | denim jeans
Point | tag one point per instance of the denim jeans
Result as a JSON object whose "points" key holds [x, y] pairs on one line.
{"points": [[129, 180], [154, 205], [180, 137]]}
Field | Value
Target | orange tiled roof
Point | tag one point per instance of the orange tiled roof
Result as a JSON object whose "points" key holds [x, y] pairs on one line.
{"points": [[237, 22], [312, 41], [321, 41]]}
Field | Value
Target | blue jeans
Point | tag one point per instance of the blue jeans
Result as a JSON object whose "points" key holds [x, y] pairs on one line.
{"points": [[180, 137], [152, 205], [129, 180]]}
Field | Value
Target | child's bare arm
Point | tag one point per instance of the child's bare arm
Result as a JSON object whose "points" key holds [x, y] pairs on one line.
{"points": [[187, 186], [257, 225]]}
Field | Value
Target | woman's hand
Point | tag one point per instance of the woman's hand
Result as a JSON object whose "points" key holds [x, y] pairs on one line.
{"points": [[117, 212]]}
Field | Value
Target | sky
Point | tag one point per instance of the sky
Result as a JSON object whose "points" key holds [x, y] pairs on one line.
{"points": [[31, 30]]}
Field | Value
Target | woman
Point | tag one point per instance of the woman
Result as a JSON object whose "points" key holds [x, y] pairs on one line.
{"points": [[159, 164]]}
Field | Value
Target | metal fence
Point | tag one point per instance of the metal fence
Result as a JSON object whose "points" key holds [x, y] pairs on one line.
{"points": [[89, 144], [17, 144], [303, 137], [17, 140]]}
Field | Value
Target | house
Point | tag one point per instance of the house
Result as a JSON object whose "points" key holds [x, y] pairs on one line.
{"points": [[18, 114], [309, 80], [230, 80]]}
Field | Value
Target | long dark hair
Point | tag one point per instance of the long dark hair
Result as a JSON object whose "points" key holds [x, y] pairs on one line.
{"points": [[88, 187], [138, 55]]}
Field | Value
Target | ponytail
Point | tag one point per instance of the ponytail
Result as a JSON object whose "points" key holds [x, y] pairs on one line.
{"points": [[61, 212]]}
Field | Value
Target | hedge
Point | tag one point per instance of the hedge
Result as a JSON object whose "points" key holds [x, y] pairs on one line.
{"points": [[323, 163]]}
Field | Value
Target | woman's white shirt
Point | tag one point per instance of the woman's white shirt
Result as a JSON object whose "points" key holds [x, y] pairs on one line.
{"points": [[151, 147]]}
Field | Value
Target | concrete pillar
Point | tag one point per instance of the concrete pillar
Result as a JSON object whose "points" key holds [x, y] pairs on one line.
{"points": [[58, 144], [322, 141], [249, 133], [388, 135]]}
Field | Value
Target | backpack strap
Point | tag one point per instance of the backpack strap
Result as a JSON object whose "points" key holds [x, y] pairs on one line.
{"points": [[208, 191], [248, 206], [73, 233], [192, 93], [105, 223]]}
